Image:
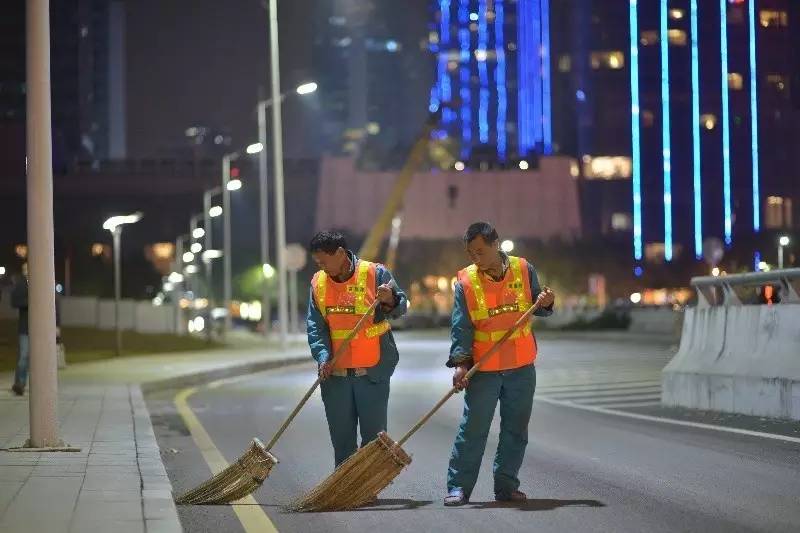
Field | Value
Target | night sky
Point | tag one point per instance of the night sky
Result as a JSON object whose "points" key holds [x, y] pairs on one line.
{"points": [[201, 62]]}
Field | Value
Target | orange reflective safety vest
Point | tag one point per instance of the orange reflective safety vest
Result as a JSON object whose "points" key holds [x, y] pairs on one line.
{"points": [[342, 305], [494, 307]]}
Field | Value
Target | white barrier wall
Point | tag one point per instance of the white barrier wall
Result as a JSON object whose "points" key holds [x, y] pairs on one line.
{"points": [[78, 311], [739, 358], [139, 316]]}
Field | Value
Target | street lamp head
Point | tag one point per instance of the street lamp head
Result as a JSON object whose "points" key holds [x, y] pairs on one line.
{"points": [[112, 223], [234, 185], [783, 240], [196, 248], [188, 257], [215, 211], [208, 255], [198, 233], [254, 148], [268, 270], [507, 246], [307, 88]]}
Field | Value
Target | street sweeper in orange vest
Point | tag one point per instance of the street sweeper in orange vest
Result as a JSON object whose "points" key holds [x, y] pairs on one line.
{"points": [[490, 296], [355, 389]]}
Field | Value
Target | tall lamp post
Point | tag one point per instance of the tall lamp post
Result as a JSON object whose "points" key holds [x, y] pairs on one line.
{"points": [[260, 149], [783, 241], [114, 225]]}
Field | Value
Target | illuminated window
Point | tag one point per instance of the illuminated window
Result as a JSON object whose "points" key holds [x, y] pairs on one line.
{"points": [[564, 63], [676, 14], [97, 249], [648, 118], [21, 250], [708, 120], [607, 167], [161, 250], [677, 37], [648, 38], [771, 18], [613, 60], [621, 222], [735, 81], [778, 212], [776, 81]]}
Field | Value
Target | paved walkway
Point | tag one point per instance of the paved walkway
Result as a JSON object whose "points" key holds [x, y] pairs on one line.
{"points": [[117, 481]]}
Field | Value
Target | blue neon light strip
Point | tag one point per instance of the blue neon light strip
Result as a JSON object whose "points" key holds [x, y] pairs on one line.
{"points": [[500, 79], [696, 171], [536, 59], [527, 55], [665, 132], [635, 134], [547, 126], [465, 91], [445, 87], [726, 140], [483, 75], [754, 119]]}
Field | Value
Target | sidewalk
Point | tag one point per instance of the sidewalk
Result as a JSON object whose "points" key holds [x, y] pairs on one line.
{"points": [[117, 482]]}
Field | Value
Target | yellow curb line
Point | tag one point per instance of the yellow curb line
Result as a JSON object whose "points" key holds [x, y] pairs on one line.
{"points": [[248, 510]]}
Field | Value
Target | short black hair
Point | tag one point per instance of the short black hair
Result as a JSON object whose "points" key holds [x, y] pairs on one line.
{"points": [[484, 229], [328, 242]]}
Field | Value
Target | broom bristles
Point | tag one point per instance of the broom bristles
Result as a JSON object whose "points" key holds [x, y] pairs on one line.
{"points": [[359, 479], [236, 481]]}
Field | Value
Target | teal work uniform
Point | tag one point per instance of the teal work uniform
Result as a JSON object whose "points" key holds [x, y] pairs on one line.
{"points": [[352, 401], [514, 390]]}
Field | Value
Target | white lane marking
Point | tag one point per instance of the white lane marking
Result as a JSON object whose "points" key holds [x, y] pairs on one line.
{"points": [[671, 421]]}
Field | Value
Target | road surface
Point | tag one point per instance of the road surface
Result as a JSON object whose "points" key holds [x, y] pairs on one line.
{"points": [[584, 470]]}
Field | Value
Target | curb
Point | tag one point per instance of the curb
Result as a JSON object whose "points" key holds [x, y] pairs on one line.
{"points": [[188, 380]]}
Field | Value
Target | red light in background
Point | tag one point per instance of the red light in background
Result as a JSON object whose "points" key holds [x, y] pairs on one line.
{"points": [[234, 172]]}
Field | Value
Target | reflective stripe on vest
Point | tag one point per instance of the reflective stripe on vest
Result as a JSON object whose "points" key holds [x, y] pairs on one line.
{"points": [[368, 333], [494, 336], [482, 312]]}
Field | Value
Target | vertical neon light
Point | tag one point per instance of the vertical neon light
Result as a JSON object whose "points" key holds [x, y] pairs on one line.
{"points": [[726, 134], [547, 134], [635, 134], [445, 88], [526, 76], [665, 131], [500, 78], [536, 59], [465, 91], [696, 171], [754, 119], [483, 75]]}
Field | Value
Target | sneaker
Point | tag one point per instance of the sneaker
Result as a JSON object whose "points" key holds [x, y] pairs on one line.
{"points": [[455, 498], [19, 390], [515, 496]]}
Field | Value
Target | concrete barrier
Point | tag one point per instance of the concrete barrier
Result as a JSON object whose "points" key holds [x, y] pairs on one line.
{"points": [[739, 358], [78, 311]]}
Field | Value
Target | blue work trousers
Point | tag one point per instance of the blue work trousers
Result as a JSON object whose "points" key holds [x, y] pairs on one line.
{"points": [[351, 402], [23, 361], [514, 389]]}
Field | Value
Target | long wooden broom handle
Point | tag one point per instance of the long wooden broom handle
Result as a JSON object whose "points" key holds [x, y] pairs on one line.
{"points": [[494, 349], [336, 354]]}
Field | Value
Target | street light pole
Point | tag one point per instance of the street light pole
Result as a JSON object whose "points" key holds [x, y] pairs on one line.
{"points": [[277, 145], [263, 212], [117, 234], [226, 239], [783, 241], [43, 403], [114, 225]]}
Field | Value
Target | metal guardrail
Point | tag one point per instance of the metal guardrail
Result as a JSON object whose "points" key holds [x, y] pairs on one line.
{"points": [[708, 287]]}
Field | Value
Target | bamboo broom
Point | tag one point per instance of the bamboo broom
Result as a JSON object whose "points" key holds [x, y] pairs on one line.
{"points": [[372, 468], [250, 470]]}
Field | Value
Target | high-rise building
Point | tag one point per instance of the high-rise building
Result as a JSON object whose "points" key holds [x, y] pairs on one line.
{"points": [[373, 73], [683, 123], [493, 75], [87, 70]]}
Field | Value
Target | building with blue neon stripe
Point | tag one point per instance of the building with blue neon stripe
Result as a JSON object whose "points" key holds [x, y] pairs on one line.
{"points": [[493, 65], [593, 107]]}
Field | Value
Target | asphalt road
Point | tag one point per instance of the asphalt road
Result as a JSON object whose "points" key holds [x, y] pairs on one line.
{"points": [[584, 470]]}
